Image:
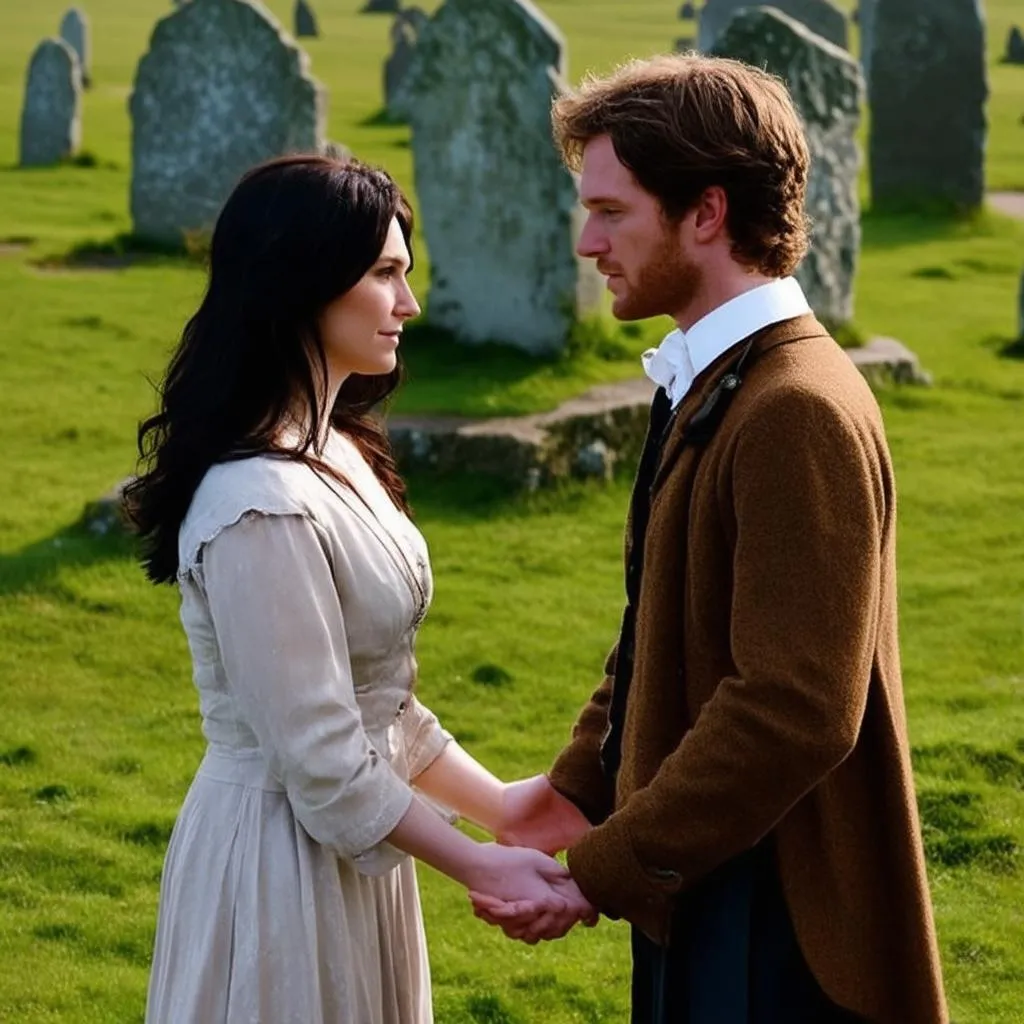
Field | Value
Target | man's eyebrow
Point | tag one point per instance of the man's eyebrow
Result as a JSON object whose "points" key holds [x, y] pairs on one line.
{"points": [[600, 201]]}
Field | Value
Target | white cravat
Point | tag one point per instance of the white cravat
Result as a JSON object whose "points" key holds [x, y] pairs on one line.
{"points": [[678, 360]]}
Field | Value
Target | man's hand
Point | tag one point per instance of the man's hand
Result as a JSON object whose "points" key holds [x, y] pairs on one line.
{"points": [[535, 814], [530, 921]]}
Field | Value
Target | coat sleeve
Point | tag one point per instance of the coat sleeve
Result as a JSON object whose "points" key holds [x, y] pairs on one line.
{"points": [[577, 773], [809, 500], [279, 625]]}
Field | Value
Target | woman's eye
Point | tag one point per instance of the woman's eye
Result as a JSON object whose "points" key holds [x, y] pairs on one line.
{"points": [[386, 272]]}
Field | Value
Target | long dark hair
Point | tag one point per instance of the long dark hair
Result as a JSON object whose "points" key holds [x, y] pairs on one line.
{"points": [[296, 233]]}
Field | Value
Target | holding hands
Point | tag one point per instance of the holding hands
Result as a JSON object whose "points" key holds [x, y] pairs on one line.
{"points": [[522, 889]]}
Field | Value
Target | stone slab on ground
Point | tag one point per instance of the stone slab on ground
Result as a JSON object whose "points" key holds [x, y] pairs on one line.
{"points": [[586, 436]]}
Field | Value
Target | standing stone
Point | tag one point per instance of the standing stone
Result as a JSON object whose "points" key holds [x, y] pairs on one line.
{"points": [[220, 90], [687, 12], [928, 90], [74, 30], [1014, 46], [405, 31], [822, 17], [866, 24], [381, 7], [305, 21], [500, 211], [826, 85], [51, 121]]}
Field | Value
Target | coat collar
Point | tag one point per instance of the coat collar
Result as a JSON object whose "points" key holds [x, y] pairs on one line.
{"points": [[799, 328]]}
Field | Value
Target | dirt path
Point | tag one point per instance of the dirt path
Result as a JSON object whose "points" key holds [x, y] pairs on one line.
{"points": [[1010, 203]]}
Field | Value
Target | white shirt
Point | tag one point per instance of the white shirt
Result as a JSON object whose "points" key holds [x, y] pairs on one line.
{"points": [[677, 361]]}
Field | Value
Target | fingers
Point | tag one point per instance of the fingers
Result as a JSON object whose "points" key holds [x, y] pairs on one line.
{"points": [[531, 921]]}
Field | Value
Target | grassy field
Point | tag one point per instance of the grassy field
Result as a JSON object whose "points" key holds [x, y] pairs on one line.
{"points": [[99, 732]]}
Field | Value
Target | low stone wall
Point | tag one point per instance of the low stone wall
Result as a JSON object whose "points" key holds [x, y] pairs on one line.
{"points": [[584, 437]]}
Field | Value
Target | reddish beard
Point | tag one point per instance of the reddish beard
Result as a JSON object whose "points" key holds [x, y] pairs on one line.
{"points": [[666, 283]]}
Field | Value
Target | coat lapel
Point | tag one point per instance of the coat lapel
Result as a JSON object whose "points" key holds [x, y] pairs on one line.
{"points": [[675, 447]]}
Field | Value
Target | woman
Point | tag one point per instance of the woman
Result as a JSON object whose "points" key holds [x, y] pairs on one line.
{"points": [[271, 498]]}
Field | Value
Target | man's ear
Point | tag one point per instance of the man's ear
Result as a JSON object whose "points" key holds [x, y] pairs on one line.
{"points": [[710, 214]]}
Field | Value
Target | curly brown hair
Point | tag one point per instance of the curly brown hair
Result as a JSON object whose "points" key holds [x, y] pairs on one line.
{"points": [[682, 123]]}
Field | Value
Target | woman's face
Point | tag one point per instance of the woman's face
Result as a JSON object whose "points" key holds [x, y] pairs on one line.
{"points": [[361, 329]]}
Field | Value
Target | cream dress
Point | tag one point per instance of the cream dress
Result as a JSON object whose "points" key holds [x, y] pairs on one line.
{"points": [[280, 901]]}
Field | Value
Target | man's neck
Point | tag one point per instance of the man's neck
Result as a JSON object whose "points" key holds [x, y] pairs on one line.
{"points": [[716, 290]]}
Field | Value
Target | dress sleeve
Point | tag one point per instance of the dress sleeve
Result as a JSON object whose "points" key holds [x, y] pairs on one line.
{"points": [[424, 736], [279, 624]]}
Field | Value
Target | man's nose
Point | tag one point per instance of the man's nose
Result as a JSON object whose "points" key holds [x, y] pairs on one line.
{"points": [[592, 241]]}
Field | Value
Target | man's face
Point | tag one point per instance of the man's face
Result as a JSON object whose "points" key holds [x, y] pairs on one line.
{"points": [[638, 251]]}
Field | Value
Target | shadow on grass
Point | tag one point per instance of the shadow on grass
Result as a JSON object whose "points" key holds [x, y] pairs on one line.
{"points": [[36, 567], [1013, 349], [126, 250], [475, 497], [84, 160], [897, 225], [381, 119], [448, 377]]}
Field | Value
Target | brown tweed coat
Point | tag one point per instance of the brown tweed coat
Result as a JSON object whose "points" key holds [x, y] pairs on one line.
{"points": [[766, 693]]}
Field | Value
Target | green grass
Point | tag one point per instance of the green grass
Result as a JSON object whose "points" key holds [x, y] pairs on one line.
{"points": [[99, 732]]}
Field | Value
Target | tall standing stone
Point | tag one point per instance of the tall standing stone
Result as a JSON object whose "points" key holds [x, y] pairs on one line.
{"points": [[866, 23], [405, 30], [822, 17], [1014, 46], [220, 90], [305, 21], [74, 30], [928, 91], [826, 85], [51, 120], [500, 212]]}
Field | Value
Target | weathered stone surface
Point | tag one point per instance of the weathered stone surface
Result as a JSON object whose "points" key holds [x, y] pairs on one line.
{"points": [[826, 85], [305, 21], [822, 17], [866, 24], [1014, 46], [51, 119], [585, 436], [381, 7], [499, 211], [106, 515], [405, 31], [221, 89], [928, 90], [74, 30], [885, 361]]}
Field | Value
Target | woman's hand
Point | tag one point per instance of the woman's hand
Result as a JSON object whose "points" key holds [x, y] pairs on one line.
{"points": [[527, 894], [535, 814]]}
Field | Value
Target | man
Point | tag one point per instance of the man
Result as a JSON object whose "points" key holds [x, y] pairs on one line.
{"points": [[739, 787]]}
